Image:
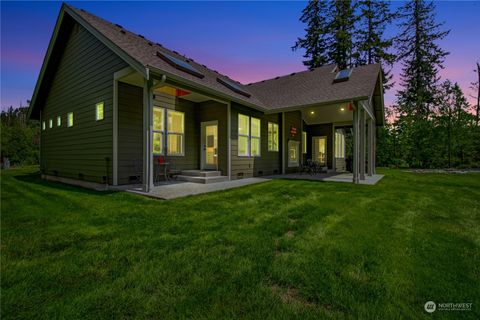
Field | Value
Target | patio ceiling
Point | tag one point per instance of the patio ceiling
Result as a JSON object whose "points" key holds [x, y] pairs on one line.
{"points": [[333, 113]]}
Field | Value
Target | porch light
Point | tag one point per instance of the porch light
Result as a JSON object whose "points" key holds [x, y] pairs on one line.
{"points": [[312, 112], [342, 109]]}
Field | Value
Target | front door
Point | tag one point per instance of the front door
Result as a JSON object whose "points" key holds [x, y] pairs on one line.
{"points": [[209, 145], [319, 148]]}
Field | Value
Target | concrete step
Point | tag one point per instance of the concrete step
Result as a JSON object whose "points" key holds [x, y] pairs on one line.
{"points": [[204, 180], [201, 173]]}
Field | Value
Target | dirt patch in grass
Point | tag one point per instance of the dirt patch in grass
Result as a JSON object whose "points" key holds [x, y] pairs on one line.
{"points": [[290, 295], [290, 234]]}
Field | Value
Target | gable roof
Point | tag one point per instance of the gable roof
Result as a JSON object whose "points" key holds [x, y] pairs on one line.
{"points": [[145, 56]]}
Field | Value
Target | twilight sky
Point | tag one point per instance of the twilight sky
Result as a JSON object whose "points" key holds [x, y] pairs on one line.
{"points": [[248, 41]]}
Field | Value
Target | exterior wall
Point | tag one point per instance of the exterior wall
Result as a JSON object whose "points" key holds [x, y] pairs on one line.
{"points": [[83, 76], [319, 130], [215, 111], [130, 137], [190, 159], [293, 119], [269, 162]]}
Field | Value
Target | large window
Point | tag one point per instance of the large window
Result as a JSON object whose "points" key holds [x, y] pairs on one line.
{"points": [[339, 144], [304, 142], [175, 133], [249, 136], [272, 136], [158, 130], [173, 127]]}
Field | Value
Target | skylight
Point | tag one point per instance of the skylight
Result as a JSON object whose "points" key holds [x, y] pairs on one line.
{"points": [[179, 64], [343, 75], [234, 87]]}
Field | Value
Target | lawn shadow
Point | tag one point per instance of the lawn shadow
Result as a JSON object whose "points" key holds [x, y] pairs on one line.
{"points": [[35, 178]]}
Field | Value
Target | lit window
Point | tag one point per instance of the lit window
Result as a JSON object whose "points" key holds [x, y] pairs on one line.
{"points": [[59, 121], [50, 123], [175, 133], [70, 119], [243, 135], [43, 125], [255, 137], [293, 156], [304, 142], [158, 130], [272, 136], [339, 144], [248, 136], [99, 111]]}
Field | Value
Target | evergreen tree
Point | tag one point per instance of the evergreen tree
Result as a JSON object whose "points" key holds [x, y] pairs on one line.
{"points": [[340, 46], [421, 55], [371, 44], [316, 34]]}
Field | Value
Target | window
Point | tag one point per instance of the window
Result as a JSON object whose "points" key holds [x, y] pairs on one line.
{"points": [[243, 135], [59, 121], [248, 136], [272, 136], [293, 156], [43, 125], [304, 142], [339, 144], [255, 137], [50, 123], [99, 111], [70, 119], [175, 133], [158, 130]]}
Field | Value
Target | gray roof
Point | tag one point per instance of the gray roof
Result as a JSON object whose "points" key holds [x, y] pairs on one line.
{"points": [[286, 92]]}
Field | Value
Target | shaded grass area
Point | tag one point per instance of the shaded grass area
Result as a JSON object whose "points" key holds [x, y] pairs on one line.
{"points": [[277, 250]]}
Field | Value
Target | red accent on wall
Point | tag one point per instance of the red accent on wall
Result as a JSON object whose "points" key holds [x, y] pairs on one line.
{"points": [[181, 93], [350, 106]]}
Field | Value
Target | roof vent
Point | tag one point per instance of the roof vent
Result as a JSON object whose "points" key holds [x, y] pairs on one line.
{"points": [[118, 25], [276, 78], [150, 44], [292, 74], [234, 87], [141, 36], [342, 75], [122, 31], [159, 44], [179, 64]]}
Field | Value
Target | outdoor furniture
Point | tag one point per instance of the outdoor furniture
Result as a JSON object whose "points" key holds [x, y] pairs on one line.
{"points": [[160, 168]]}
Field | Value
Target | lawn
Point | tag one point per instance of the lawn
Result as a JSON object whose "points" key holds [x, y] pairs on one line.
{"points": [[276, 250]]}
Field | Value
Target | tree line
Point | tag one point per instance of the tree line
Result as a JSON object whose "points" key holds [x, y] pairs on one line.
{"points": [[431, 123]]}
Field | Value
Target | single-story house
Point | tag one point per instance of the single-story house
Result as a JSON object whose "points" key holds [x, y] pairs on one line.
{"points": [[113, 104]]}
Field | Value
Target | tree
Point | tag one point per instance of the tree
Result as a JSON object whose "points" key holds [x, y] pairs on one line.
{"points": [[422, 58], [340, 45], [476, 86], [371, 43], [316, 34]]}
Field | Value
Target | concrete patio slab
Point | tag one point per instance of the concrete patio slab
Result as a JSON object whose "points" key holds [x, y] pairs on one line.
{"points": [[348, 177], [184, 189]]}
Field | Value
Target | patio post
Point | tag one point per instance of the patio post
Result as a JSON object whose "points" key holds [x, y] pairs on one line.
{"points": [[370, 147], [374, 148], [355, 142], [362, 134], [147, 179]]}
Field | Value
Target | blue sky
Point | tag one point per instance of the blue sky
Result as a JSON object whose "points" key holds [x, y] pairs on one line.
{"points": [[248, 41]]}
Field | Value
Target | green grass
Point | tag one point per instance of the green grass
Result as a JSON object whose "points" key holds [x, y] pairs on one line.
{"points": [[276, 250]]}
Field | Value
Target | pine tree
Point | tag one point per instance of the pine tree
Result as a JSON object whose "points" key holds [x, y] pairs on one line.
{"points": [[421, 55], [340, 47], [371, 44], [316, 33]]}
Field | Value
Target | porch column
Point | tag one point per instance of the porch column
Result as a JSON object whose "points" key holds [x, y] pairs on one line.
{"points": [[370, 147], [147, 180], [374, 148], [362, 144], [355, 141]]}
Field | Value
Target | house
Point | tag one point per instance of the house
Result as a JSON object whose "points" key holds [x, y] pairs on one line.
{"points": [[113, 104]]}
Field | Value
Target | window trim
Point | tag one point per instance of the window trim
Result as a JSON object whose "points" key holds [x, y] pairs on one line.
{"points": [[304, 142], [44, 126], [59, 121], [270, 134], [101, 103], [247, 135], [50, 123], [259, 137]]}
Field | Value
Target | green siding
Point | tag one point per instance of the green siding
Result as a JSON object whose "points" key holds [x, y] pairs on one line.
{"points": [[83, 77], [269, 162], [130, 138]]}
